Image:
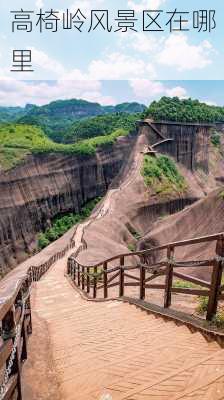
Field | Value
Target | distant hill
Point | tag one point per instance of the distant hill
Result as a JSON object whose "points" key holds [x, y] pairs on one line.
{"points": [[57, 117], [11, 114], [186, 110], [101, 125]]}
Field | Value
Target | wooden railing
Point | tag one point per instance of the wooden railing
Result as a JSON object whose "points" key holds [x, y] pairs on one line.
{"points": [[97, 279], [15, 316], [38, 271], [16, 326]]}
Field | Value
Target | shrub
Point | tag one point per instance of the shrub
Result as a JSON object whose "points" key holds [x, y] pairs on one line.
{"points": [[131, 247], [218, 320], [42, 241], [60, 225], [202, 304], [161, 174], [187, 110], [216, 140], [184, 284], [31, 139]]}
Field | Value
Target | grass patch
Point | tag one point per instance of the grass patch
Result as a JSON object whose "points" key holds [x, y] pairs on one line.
{"points": [[218, 320], [202, 305], [184, 285], [222, 194], [131, 247], [161, 174], [216, 139], [16, 141], [9, 158], [134, 233], [61, 225]]}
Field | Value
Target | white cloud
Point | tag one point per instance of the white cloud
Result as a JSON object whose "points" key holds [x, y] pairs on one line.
{"points": [[39, 4], [140, 42], [145, 89], [13, 92], [112, 66], [178, 52], [42, 60], [120, 66], [141, 5], [177, 91], [85, 5], [209, 102]]}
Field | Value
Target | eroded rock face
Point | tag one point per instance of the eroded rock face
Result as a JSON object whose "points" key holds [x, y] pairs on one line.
{"points": [[48, 185], [188, 144]]}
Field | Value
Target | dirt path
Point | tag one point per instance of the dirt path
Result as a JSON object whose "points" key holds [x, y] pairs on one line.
{"points": [[112, 350]]}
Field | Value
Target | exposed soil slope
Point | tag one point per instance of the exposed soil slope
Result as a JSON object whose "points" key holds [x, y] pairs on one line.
{"points": [[45, 186], [133, 208]]}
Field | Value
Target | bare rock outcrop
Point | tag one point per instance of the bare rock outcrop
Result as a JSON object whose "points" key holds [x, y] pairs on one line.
{"points": [[44, 186]]}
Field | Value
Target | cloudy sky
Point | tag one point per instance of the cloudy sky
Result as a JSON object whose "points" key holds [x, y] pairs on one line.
{"points": [[19, 93], [79, 63], [69, 54]]}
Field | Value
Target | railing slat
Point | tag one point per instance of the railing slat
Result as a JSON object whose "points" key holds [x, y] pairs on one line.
{"points": [[216, 281], [169, 278], [105, 283]]}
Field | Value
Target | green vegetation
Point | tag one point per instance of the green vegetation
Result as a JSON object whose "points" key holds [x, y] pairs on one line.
{"points": [[56, 119], [100, 126], [216, 139], [61, 225], [131, 247], [11, 114], [188, 110], [9, 158], [184, 285], [162, 176], [222, 194], [202, 304], [134, 232], [218, 320], [16, 141]]}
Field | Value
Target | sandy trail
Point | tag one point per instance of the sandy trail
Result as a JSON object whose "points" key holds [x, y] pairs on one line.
{"points": [[112, 351]]}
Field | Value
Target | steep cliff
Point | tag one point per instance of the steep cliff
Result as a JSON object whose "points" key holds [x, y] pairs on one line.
{"points": [[45, 186]]}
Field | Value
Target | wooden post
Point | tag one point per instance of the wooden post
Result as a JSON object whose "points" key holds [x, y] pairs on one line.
{"points": [[8, 329], [142, 282], [95, 282], [105, 279], [75, 270], [121, 289], [78, 274], [24, 346], [28, 308], [216, 281], [169, 279], [88, 280], [83, 278]]}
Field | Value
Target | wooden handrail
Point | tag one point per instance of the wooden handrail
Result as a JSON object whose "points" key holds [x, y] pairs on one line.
{"points": [[99, 272], [17, 321], [16, 327], [188, 242]]}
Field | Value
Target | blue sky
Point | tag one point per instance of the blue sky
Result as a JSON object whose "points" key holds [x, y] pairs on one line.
{"points": [[108, 92], [102, 55], [112, 67]]}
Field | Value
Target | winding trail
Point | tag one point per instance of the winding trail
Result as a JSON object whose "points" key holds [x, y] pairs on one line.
{"points": [[112, 350]]}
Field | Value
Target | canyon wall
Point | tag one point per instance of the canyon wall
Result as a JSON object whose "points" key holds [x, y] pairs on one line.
{"points": [[188, 143], [45, 186]]}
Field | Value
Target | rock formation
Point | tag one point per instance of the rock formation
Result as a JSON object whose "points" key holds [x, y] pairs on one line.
{"points": [[45, 186]]}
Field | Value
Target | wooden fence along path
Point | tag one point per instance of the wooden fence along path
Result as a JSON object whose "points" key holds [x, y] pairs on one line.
{"points": [[100, 278], [16, 326], [125, 270]]}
